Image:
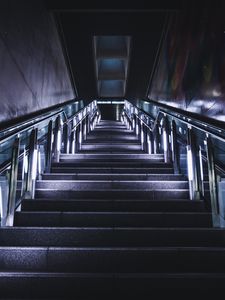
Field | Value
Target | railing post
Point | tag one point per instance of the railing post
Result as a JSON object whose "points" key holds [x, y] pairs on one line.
{"points": [[88, 124], [193, 174], [49, 147], [66, 138], [85, 127], [166, 143], [175, 149], [212, 182], [57, 139], [137, 127], [156, 139], [145, 138], [80, 135], [150, 142], [32, 165], [133, 122], [13, 183], [72, 142], [142, 134]]}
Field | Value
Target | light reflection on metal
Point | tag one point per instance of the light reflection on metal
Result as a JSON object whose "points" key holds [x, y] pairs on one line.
{"points": [[189, 163], [13, 183], [212, 182], [165, 144], [137, 128], [39, 162], [201, 170], [34, 165], [58, 147], [1, 203]]}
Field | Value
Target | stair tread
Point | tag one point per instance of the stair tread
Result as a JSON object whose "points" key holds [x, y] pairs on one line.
{"points": [[111, 214]]}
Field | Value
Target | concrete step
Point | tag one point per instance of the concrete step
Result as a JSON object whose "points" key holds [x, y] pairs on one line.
{"points": [[110, 129], [104, 151], [156, 194], [110, 184], [111, 237], [63, 285], [113, 157], [113, 164], [109, 139], [112, 219], [114, 170], [113, 260], [97, 205], [116, 177]]}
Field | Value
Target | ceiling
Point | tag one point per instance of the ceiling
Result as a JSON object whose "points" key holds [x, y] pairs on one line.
{"points": [[128, 74]]}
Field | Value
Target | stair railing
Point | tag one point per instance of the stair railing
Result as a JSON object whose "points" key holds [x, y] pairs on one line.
{"points": [[34, 148], [192, 146]]}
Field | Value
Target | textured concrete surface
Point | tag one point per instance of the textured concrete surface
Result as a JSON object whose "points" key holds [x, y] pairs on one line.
{"points": [[33, 73]]}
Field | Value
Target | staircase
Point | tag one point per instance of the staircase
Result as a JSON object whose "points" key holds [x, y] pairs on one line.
{"points": [[110, 221]]}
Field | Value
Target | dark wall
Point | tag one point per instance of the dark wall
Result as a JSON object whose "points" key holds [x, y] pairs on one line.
{"points": [[110, 111], [33, 72], [191, 70], [144, 27]]}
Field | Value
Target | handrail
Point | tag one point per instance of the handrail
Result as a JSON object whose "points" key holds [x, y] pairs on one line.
{"points": [[216, 135], [28, 124], [78, 123], [187, 122], [37, 156], [21, 120], [199, 148], [5, 165], [143, 122], [218, 125], [19, 131]]}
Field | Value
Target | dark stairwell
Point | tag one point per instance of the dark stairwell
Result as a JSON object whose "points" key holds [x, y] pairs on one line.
{"points": [[110, 220]]}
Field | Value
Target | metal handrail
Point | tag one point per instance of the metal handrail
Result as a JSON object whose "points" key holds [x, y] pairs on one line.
{"points": [[216, 135], [27, 127], [19, 131], [31, 169], [187, 122], [169, 122], [141, 121]]}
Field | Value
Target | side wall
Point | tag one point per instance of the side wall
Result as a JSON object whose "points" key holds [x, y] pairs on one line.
{"points": [[33, 72], [191, 71]]}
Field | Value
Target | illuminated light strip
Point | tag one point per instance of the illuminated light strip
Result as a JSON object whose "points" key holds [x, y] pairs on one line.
{"points": [[137, 129], [58, 146], [142, 133], [172, 145], [1, 203], [25, 164], [190, 164], [201, 165], [165, 144], [34, 165], [149, 144], [39, 162]]}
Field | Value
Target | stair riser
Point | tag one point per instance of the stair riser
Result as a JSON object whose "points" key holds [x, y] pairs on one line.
{"points": [[115, 205], [97, 286], [112, 194], [58, 219], [106, 150], [112, 170], [122, 164], [111, 237], [147, 177], [111, 260]]}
